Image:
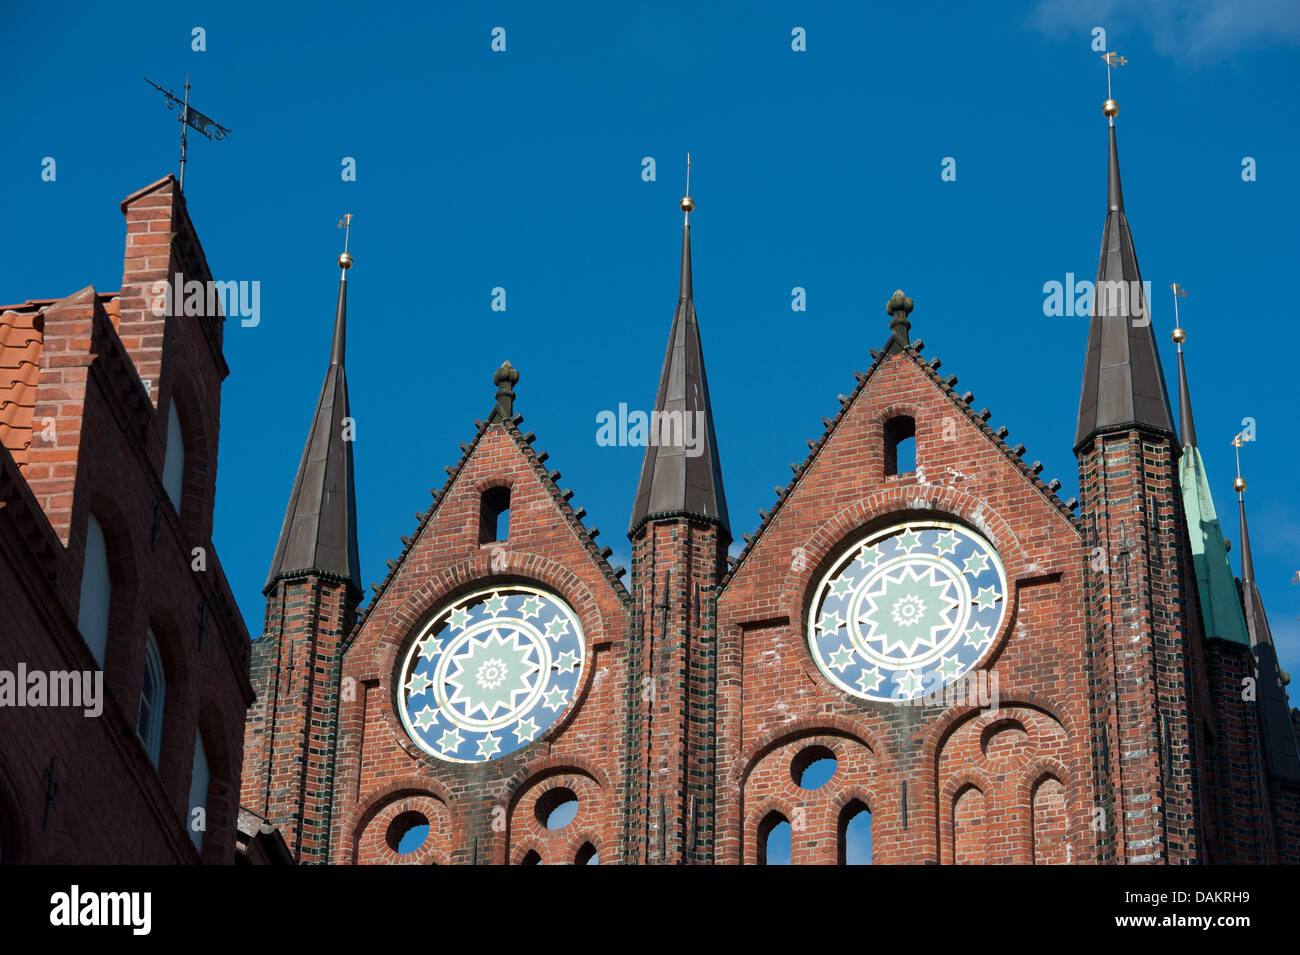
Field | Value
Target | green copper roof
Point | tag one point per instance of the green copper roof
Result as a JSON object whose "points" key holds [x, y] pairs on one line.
{"points": [[1220, 608]]}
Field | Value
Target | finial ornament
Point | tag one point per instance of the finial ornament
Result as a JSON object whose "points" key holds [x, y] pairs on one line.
{"points": [[899, 307], [1111, 108], [1178, 335], [898, 302], [505, 378], [345, 260], [687, 203], [1239, 485]]}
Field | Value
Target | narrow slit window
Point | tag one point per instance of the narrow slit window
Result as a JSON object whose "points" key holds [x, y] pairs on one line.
{"points": [[900, 445], [494, 515]]}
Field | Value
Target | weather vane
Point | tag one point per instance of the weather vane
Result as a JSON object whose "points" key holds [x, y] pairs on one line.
{"points": [[189, 117], [1179, 336], [345, 260], [1111, 108], [687, 202]]}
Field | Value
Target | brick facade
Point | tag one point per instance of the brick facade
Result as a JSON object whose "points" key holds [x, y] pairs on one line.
{"points": [[98, 375], [1108, 743]]}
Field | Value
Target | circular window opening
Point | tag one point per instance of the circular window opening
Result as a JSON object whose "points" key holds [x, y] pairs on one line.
{"points": [[813, 767], [408, 832], [556, 808]]}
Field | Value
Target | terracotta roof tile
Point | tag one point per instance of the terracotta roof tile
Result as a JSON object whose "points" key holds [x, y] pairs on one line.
{"points": [[21, 331]]}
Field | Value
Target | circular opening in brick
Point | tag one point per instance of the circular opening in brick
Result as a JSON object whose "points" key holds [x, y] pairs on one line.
{"points": [[408, 832], [813, 767], [556, 808]]}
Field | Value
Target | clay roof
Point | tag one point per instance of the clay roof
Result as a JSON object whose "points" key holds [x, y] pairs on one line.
{"points": [[22, 336]]}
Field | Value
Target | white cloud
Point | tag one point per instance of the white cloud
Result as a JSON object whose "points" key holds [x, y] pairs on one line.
{"points": [[1190, 29]]}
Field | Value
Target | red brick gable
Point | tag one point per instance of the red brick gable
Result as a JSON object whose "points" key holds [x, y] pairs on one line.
{"points": [[899, 760], [547, 546]]}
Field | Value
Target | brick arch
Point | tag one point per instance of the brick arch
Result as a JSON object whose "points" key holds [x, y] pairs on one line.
{"points": [[947, 817], [180, 698], [829, 726], [366, 807], [196, 485], [380, 664], [584, 837], [949, 721], [1044, 844], [955, 748], [222, 745], [889, 505], [125, 560], [368, 838], [461, 578], [813, 814], [754, 818], [595, 818]]}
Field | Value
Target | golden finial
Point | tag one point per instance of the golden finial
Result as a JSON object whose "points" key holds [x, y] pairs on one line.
{"points": [[1178, 335], [345, 260], [1239, 484], [1111, 108], [688, 204]]}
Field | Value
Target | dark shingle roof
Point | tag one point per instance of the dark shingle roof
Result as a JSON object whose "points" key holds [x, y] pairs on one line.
{"points": [[319, 534], [1123, 382]]}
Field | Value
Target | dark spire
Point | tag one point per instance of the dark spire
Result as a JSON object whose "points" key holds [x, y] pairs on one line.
{"points": [[1274, 709], [1185, 405], [320, 525], [682, 473], [1123, 382]]}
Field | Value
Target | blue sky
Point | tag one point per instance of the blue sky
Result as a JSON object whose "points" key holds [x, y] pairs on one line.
{"points": [[818, 169]]}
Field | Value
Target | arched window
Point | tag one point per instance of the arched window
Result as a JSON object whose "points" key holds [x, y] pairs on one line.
{"points": [[173, 475], [153, 690], [1050, 821], [900, 445], [774, 835], [968, 828], [197, 821], [855, 834], [96, 592], [494, 515], [532, 858], [587, 855]]}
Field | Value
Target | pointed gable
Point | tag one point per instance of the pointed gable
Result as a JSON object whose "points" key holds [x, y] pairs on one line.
{"points": [[499, 455], [957, 451]]}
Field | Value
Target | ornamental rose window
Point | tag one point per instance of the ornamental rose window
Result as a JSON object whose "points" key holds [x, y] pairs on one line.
{"points": [[907, 610], [490, 673]]}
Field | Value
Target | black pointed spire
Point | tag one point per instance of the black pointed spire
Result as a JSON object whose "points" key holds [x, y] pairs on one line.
{"points": [[1123, 382], [320, 525], [1185, 405], [682, 472], [1185, 422], [1280, 749]]}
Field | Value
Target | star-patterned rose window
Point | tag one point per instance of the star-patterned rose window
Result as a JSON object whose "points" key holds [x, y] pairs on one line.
{"points": [[490, 673], [907, 610]]}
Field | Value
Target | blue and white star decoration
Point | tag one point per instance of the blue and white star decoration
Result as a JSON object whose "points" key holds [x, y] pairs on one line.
{"points": [[491, 673], [907, 611]]}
